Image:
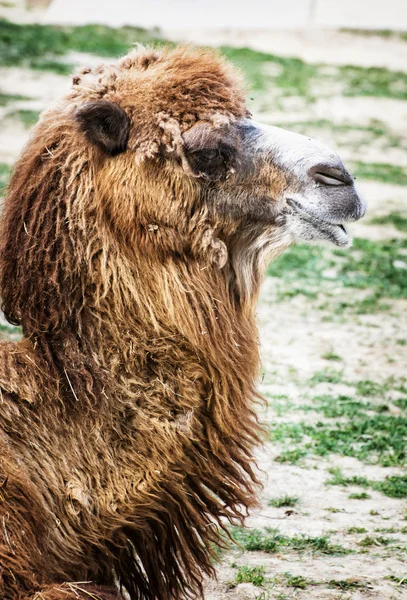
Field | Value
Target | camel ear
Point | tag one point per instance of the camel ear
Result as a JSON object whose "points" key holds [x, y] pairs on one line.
{"points": [[211, 151], [106, 125]]}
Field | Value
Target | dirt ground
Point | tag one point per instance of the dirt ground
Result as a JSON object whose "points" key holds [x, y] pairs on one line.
{"points": [[299, 340]]}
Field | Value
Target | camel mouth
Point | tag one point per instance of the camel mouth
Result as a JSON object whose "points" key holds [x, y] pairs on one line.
{"points": [[317, 228]]}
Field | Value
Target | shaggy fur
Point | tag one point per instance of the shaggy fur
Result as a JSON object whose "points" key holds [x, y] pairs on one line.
{"points": [[126, 412]]}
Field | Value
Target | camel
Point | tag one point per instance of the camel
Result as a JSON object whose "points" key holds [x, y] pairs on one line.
{"points": [[134, 238]]}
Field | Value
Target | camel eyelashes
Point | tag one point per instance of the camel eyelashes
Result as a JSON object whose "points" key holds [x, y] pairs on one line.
{"points": [[105, 125]]}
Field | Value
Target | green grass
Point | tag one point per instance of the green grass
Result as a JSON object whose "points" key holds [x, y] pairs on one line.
{"points": [[352, 530], [271, 541], [6, 99], [10, 332], [376, 438], [366, 387], [345, 584], [349, 135], [373, 81], [359, 496], [394, 218], [401, 580], [296, 581], [393, 486], [338, 406], [360, 424], [291, 456], [378, 540], [294, 77], [331, 356], [383, 172], [246, 574], [374, 266], [384, 33], [27, 117], [339, 479], [326, 376], [4, 176], [40, 46], [283, 501]]}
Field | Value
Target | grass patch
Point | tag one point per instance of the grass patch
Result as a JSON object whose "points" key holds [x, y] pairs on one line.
{"points": [[373, 81], [379, 267], [326, 376], [9, 331], [345, 584], [38, 46], [383, 172], [350, 135], [6, 99], [331, 356], [282, 501], [294, 77], [339, 479], [394, 486], [246, 574], [384, 33], [296, 581], [291, 456], [367, 387], [378, 438], [351, 530], [281, 432], [394, 218], [4, 176], [339, 406], [399, 580], [359, 496], [375, 439], [401, 402], [27, 117], [378, 540], [271, 541]]}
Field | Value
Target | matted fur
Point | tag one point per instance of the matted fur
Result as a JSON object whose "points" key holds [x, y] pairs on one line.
{"points": [[126, 412]]}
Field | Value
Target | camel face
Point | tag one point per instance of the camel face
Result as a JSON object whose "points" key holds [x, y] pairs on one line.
{"points": [[173, 125], [320, 195], [290, 182]]}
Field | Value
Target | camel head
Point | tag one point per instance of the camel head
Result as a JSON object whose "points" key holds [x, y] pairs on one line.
{"points": [[182, 113], [155, 159]]}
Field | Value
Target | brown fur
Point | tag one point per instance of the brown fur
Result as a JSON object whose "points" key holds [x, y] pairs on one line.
{"points": [[126, 412]]}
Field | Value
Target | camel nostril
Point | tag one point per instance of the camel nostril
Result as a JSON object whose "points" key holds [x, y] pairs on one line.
{"points": [[330, 175]]}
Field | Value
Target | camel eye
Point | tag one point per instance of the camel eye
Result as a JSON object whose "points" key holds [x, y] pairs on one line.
{"points": [[208, 163], [212, 152]]}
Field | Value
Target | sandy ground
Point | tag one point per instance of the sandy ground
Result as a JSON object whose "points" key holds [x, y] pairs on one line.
{"points": [[294, 336]]}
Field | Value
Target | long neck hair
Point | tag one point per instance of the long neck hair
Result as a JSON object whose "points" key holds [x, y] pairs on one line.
{"points": [[154, 341]]}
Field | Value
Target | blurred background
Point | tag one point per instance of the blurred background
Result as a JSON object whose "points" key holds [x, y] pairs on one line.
{"points": [[333, 323]]}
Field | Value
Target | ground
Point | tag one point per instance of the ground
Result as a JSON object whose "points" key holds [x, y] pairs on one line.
{"points": [[333, 516]]}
